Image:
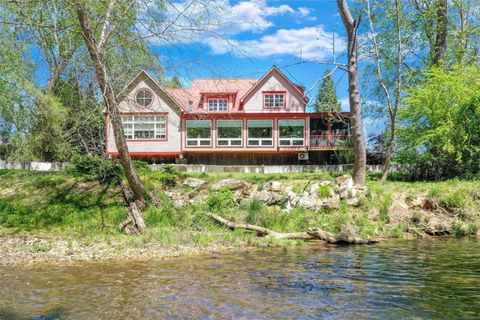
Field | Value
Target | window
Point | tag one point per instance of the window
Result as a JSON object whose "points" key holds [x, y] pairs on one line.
{"points": [[340, 128], [217, 105], [260, 132], [273, 100], [145, 127], [144, 97], [318, 126], [229, 132], [291, 132], [199, 133]]}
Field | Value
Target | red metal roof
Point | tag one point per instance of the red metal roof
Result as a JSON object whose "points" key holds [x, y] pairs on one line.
{"points": [[235, 87]]}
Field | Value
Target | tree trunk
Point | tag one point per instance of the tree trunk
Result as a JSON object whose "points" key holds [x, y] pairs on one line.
{"points": [[110, 103], [440, 47], [311, 234], [358, 135], [389, 154], [398, 89]]}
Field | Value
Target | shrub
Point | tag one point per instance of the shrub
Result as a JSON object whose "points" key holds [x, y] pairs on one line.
{"points": [[253, 207], [461, 229], [168, 180], [323, 191], [456, 200], [97, 168], [168, 175], [220, 200], [141, 165]]}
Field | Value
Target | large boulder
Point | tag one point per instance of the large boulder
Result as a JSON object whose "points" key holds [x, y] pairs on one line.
{"points": [[374, 214], [332, 202], [399, 212], [273, 186], [345, 186], [230, 184], [308, 202], [269, 198], [195, 183]]}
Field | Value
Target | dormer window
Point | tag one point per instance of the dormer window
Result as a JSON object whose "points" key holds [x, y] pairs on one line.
{"points": [[217, 105], [273, 100], [144, 97]]}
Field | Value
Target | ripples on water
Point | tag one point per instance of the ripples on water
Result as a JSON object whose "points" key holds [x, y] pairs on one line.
{"points": [[437, 279]]}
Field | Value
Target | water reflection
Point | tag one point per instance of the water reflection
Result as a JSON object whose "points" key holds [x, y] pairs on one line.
{"points": [[401, 279]]}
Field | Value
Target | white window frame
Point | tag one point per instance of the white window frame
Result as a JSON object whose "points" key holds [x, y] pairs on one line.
{"points": [[143, 98], [273, 100], [197, 141], [290, 141], [230, 140], [159, 122], [260, 140], [217, 105]]}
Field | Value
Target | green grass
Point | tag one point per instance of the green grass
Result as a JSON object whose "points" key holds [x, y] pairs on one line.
{"points": [[73, 206]]}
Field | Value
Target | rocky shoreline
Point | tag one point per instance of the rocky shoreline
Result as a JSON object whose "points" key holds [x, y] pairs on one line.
{"points": [[21, 250]]}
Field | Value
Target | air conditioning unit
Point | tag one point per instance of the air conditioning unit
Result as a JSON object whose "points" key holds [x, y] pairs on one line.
{"points": [[303, 156]]}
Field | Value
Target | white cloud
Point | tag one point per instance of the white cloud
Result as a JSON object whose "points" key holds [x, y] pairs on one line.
{"points": [[194, 18], [309, 43], [217, 24], [304, 12]]}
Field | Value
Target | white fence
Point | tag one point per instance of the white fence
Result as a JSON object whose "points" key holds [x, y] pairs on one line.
{"points": [[200, 168], [33, 166]]}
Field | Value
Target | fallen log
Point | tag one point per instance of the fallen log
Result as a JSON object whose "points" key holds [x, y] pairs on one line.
{"points": [[338, 238], [260, 231], [311, 234]]}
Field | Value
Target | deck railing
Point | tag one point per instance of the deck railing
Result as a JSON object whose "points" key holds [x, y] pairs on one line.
{"points": [[329, 141]]}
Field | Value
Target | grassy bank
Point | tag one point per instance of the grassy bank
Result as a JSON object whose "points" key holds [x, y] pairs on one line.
{"points": [[80, 212]]}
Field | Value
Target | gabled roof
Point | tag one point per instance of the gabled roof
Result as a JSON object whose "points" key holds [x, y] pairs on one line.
{"points": [[273, 70], [144, 75], [236, 87], [190, 99]]}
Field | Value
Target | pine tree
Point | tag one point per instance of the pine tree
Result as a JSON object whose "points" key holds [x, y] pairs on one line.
{"points": [[327, 100], [174, 83]]}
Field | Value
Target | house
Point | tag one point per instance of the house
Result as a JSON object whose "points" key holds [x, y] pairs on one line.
{"points": [[227, 121]]}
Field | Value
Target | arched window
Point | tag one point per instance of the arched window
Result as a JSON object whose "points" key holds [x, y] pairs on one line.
{"points": [[144, 97]]}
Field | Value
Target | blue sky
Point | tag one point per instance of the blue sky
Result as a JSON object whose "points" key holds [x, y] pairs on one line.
{"points": [[243, 39]]}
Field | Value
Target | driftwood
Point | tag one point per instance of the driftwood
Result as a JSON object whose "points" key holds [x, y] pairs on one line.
{"points": [[311, 234], [338, 238], [134, 222], [262, 232]]}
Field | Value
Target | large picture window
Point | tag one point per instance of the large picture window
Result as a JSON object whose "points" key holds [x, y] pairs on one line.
{"points": [[199, 133], [260, 132], [229, 132], [291, 132], [274, 100], [215, 105], [141, 127]]}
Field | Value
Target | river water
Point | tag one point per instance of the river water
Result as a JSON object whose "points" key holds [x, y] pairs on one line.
{"points": [[434, 279]]}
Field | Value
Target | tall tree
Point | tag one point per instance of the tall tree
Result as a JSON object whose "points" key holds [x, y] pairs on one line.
{"points": [[432, 19], [174, 83], [391, 83], [358, 136], [96, 45], [327, 100]]}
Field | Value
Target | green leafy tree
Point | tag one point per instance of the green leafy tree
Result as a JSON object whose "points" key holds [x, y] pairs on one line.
{"points": [[327, 100], [174, 83], [440, 131]]}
